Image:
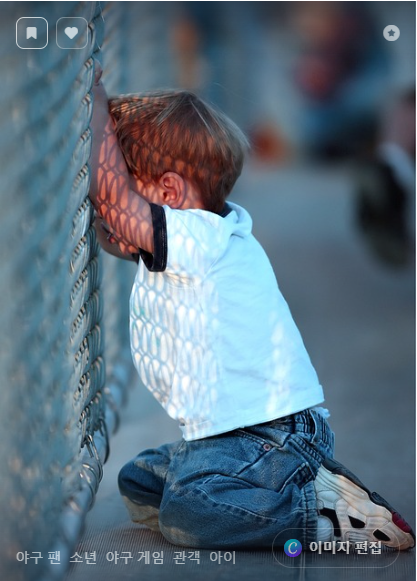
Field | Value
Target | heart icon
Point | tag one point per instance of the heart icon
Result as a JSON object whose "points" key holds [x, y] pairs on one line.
{"points": [[71, 31]]}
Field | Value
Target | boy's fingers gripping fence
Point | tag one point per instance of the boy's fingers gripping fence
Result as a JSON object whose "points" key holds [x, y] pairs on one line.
{"points": [[98, 71]]}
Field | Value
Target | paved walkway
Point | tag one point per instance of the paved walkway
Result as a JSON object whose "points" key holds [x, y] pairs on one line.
{"points": [[357, 319]]}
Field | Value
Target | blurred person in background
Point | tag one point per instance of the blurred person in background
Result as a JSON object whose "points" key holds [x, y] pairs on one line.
{"points": [[340, 72], [385, 205], [343, 72]]}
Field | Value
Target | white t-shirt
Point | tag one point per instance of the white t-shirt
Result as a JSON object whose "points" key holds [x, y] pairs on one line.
{"points": [[212, 336]]}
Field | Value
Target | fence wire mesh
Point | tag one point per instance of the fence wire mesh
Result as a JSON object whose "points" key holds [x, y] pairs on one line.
{"points": [[57, 403]]}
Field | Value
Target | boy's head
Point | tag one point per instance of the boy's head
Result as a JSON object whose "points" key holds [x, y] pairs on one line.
{"points": [[175, 131]]}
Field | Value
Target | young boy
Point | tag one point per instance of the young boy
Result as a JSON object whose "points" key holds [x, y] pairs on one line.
{"points": [[214, 341]]}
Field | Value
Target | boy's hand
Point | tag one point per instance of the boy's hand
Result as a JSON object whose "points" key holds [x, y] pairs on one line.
{"points": [[99, 92], [111, 242], [98, 71]]}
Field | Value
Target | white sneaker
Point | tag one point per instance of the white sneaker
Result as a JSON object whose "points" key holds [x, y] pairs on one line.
{"points": [[357, 514]]}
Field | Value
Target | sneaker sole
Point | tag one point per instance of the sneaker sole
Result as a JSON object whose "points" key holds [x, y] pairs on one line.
{"points": [[357, 513]]}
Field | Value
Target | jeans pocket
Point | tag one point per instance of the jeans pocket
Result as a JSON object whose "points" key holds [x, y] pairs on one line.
{"points": [[299, 477], [307, 450]]}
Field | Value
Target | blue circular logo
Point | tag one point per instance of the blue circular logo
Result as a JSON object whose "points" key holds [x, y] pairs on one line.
{"points": [[293, 548]]}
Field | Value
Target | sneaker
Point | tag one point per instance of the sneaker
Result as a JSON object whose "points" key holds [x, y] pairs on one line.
{"points": [[357, 514]]}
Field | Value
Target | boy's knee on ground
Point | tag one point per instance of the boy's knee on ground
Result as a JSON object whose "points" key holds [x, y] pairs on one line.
{"points": [[124, 480], [185, 519], [136, 484]]}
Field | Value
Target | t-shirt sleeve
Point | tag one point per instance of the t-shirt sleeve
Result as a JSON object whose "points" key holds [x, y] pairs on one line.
{"points": [[157, 261], [186, 242]]}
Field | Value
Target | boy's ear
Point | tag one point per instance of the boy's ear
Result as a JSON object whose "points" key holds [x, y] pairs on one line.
{"points": [[173, 188]]}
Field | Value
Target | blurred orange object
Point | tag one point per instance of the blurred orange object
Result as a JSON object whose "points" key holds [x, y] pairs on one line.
{"points": [[268, 144]]}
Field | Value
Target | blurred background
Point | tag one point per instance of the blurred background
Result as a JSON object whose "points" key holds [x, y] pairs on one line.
{"points": [[328, 103]]}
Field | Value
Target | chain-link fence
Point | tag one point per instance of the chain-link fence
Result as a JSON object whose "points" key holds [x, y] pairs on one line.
{"points": [[57, 403]]}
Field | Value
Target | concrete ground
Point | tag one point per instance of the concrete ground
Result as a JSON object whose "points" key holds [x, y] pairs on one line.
{"points": [[357, 319]]}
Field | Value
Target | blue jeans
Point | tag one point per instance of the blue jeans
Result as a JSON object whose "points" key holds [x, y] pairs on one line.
{"points": [[246, 488]]}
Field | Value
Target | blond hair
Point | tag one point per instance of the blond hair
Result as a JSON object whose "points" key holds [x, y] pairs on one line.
{"points": [[176, 131]]}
